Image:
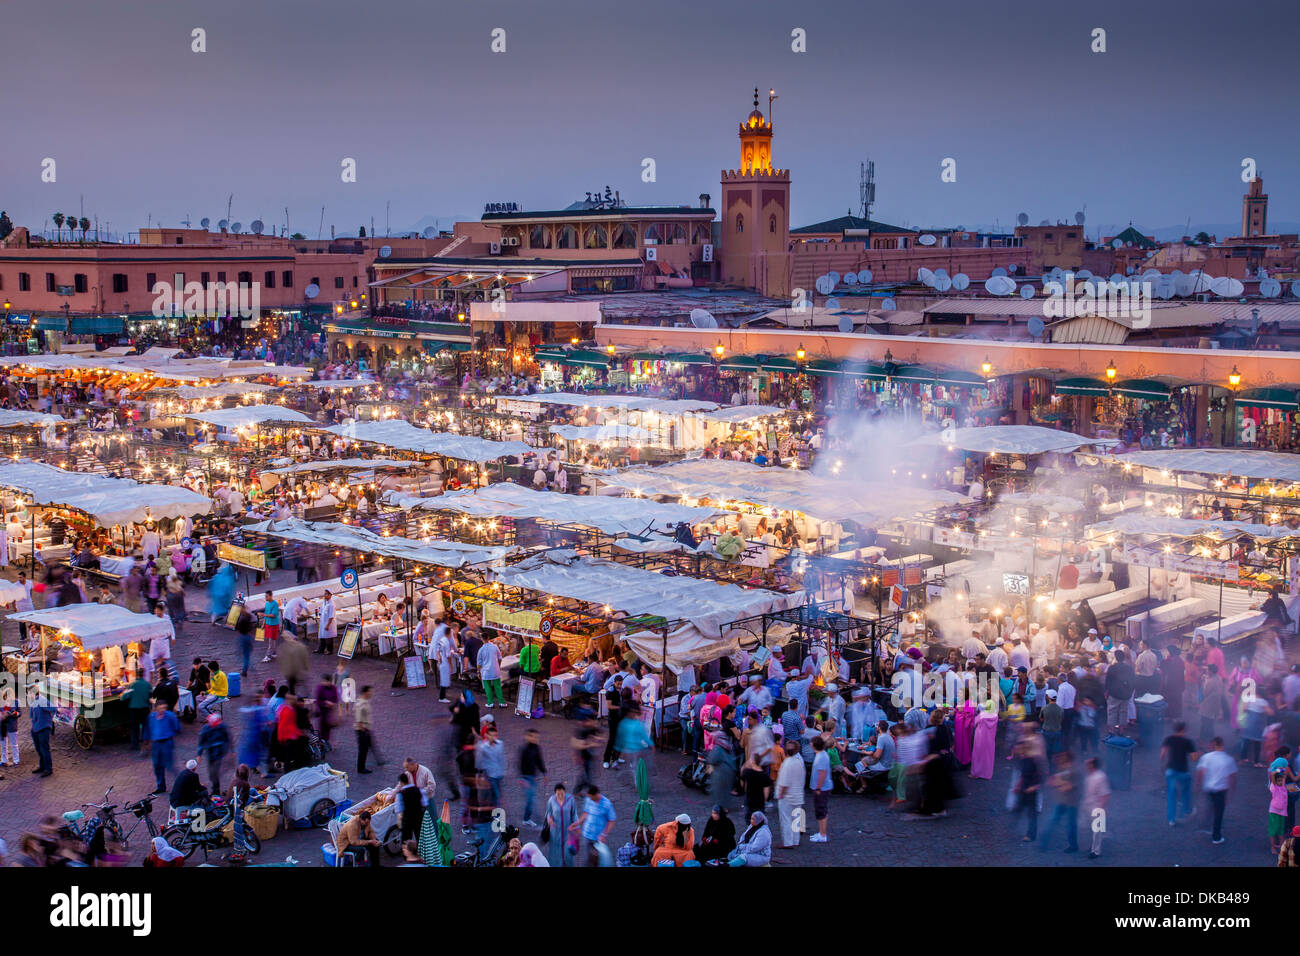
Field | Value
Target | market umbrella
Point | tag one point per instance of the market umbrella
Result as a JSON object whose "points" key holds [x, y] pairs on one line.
{"points": [[435, 837], [644, 815]]}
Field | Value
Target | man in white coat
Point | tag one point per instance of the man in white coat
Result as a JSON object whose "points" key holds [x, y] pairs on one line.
{"points": [[442, 652]]}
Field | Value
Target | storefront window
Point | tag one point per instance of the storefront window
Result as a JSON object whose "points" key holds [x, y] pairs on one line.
{"points": [[539, 237], [595, 237], [568, 238], [624, 237]]}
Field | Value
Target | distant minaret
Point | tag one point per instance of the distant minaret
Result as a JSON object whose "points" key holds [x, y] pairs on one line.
{"points": [[755, 213], [1254, 210]]}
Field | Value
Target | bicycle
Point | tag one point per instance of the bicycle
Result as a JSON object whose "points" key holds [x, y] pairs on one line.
{"points": [[74, 828], [142, 809]]}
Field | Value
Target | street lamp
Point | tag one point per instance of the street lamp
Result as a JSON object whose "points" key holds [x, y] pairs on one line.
{"points": [[800, 354], [987, 367], [1234, 377], [718, 350], [1111, 372]]}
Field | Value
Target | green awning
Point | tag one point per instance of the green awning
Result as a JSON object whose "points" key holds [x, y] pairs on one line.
{"points": [[960, 379], [740, 363], [823, 367], [916, 374], [586, 358], [1081, 386], [648, 357], [779, 365], [542, 355], [690, 358], [52, 323], [870, 370], [434, 346], [1284, 398], [1143, 388], [95, 325]]}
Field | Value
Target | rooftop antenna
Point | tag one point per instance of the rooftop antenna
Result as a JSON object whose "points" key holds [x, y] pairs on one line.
{"points": [[286, 220], [186, 221], [771, 98], [387, 204], [867, 187], [229, 202], [321, 228]]}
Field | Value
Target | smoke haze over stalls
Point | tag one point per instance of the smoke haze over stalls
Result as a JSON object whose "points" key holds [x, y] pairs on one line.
{"points": [[1153, 130]]}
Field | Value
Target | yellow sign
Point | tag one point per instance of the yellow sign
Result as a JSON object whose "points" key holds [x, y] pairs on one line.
{"points": [[244, 557], [506, 619]]}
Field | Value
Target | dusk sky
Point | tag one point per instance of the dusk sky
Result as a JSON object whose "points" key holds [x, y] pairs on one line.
{"points": [[1153, 130]]}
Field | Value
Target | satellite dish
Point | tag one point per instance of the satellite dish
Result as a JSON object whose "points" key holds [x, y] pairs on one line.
{"points": [[997, 285], [889, 305], [1116, 277], [257, 227], [1176, 273], [1270, 288], [845, 324], [924, 275], [1117, 244], [223, 224], [1011, 269], [1295, 288], [429, 232], [311, 291], [236, 227], [1221, 286], [834, 277], [204, 222], [927, 240], [1053, 287], [1084, 273], [385, 251], [824, 285], [865, 276], [1183, 285], [1036, 326], [1023, 219], [832, 304], [961, 281], [999, 271], [1045, 223], [850, 278], [1080, 218], [941, 273], [1152, 275], [1026, 291], [1165, 291], [942, 283], [1234, 288], [703, 319]]}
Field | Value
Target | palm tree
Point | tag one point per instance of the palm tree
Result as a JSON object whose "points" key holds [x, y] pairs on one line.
{"points": [[84, 223], [1203, 238], [58, 226], [72, 224]]}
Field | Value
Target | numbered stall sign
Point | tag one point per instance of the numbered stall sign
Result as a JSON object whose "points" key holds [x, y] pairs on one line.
{"points": [[348, 579]]}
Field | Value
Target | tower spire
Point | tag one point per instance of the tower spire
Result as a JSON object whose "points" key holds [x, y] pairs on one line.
{"points": [[756, 97]]}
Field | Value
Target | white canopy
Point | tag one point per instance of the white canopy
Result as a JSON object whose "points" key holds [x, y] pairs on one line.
{"points": [[223, 390], [611, 431], [402, 435], [828, 499], [110, 501], [1274, 465], [246, 416], [633, 403], [1189, 527], [434, 551], [339, 383], [98, 626], [13, 417], [1058, 504], [705, 606], [1010, 439], [605, 513], [342, 464], [735, 414]]}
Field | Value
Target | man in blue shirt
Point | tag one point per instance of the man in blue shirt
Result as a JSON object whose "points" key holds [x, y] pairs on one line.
{"points": [[42, 716], [597, 817], [164, 725]]}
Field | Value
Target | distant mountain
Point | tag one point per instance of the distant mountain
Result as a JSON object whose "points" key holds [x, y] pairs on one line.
{"points": [[436, 222], [1219, 230]]}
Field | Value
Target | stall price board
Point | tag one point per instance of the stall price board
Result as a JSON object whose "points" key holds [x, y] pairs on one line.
{"points": [[524, 705], [414, 672], [351, 638], [237, 608], [243, 557]]}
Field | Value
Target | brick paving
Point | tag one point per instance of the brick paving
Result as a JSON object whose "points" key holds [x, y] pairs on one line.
{"points": [[863, 831]]}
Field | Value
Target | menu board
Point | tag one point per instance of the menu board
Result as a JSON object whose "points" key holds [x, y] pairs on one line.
{"points": [[351, 638], [524, 705], [414, 671]]}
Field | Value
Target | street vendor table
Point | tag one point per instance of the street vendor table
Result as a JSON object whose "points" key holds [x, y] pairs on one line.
{"points": [[1245, 622], [561, 686]]}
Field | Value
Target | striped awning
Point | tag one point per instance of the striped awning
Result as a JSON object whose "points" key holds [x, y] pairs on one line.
{"points": [[1144, 388], [1284, 398], [1081, 386]]}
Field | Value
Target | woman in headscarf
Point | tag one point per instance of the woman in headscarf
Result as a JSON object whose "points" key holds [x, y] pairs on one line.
{"points": [[755, 846], [221, 591], [674, 841], [531, 855], [719, 837], [984, 746], [1244, 678], [163, 854], [561, 814]]}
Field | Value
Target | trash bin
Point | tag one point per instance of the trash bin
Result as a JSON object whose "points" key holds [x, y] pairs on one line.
{"points": [[1151, 721], [1119, 761], [234, 684]]}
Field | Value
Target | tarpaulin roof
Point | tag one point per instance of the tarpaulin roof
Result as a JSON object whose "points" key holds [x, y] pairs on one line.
{"points": [[245, 416], [342, 464], [830, 499], [604, 512], [1274, 465], [1189, 527], [13, 417], [339, 383], [109, 501], [396, 433], [705, 606], [741, 413], [434, 551], [223, 390], [665, 406], [612, 431], [98, 626], [1010, 439]]}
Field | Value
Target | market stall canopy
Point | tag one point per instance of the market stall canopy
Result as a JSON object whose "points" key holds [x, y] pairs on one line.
{"points": [[1058, 504], [613, 431], [432, 551], [632, 403], [339, 383], [248, 416], [1269, 465], [342, 464], [606, 513], [1010, 439], [222, 390], [14, 418], [1189, 527], [402, 435], [98, 626], [110, 501], [787, 489], [705, 607], [736, 414]]}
